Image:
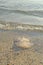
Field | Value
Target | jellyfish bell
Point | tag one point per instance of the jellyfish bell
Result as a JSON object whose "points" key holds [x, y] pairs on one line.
{"points": [[23, 43]]}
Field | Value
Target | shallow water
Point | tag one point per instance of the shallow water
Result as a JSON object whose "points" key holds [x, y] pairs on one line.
{"points": [[36, 38], [9, 52]]}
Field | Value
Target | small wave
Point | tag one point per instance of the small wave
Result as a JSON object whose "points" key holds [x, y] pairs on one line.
{"points": [[38, 13], [30, 27], [20, 26]]}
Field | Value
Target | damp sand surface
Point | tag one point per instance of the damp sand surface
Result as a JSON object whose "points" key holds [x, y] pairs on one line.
{"points": [[9, 53]]}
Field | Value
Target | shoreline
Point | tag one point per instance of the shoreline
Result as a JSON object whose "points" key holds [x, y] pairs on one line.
{"points": [[18, 26]]}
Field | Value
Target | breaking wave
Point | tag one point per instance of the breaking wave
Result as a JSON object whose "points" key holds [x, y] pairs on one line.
{"points": [[30, 27]]}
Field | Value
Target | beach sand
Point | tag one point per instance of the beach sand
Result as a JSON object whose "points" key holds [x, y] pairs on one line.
{"points": [[8, 55]]}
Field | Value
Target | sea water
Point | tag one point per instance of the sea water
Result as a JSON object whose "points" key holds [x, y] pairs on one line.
{"points": [[22, 11], [27, 12]]}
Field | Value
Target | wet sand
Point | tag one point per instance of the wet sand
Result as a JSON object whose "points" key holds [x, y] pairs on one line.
{"points": [[11, 55]]}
